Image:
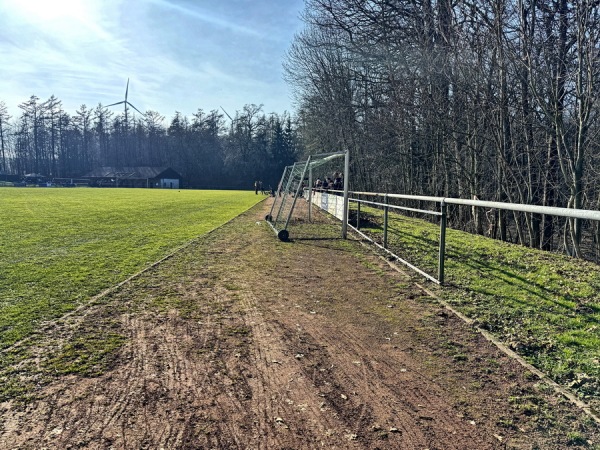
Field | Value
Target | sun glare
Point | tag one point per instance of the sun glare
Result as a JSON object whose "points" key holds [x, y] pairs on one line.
{"points": [[52, 10]]}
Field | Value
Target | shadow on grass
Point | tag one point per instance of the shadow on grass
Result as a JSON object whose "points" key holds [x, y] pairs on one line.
{"points": [[409, 243]]}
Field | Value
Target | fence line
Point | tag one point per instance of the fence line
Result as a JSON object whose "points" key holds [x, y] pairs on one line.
{"points": [[355, 196]]}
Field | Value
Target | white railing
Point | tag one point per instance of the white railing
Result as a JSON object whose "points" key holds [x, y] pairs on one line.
{"points": [[371, 198]]}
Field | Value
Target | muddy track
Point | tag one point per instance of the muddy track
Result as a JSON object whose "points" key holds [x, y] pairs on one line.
{"points": [[244, 342]]}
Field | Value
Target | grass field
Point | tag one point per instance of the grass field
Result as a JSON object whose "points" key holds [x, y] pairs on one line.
{"points": [[546, 306], [59, 247]]}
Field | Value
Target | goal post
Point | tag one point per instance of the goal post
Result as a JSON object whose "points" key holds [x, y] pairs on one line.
{"points": [[294, 181]]}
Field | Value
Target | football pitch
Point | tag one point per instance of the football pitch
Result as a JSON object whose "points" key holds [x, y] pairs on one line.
{"points": [[59, 247]]}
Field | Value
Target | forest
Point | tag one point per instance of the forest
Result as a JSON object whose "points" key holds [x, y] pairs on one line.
{"points": [[479, 99], [206, 150]]}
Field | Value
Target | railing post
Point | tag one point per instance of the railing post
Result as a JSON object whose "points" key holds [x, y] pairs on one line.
{"points": [[385, 221], [310, 192], [346, 194], [442, 255], [358, 211]]}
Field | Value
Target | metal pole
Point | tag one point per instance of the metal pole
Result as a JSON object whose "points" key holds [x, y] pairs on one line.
{"points": [[385, 221], [358, 212], [310, 190], [346, 176], [442, 255]]}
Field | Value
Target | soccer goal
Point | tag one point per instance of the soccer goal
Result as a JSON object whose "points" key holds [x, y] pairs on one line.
{"points": [[297, 182]]}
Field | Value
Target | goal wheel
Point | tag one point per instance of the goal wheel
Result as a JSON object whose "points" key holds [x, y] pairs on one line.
{"points": [[268, 218], [283, 235]]}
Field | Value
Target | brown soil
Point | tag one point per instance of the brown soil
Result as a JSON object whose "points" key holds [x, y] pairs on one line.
{"points": [[244, 342]]}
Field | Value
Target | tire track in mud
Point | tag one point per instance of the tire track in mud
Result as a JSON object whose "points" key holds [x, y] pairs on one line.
{"points": [[158, 395], [371, 397], [291, 411], [320, 358], [292, 414]]}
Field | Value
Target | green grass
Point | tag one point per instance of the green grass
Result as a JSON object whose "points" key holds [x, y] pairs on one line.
{"points": [[59, 247], [545, 306]]}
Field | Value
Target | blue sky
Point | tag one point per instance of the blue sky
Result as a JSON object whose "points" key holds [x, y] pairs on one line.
{"points": [[180, 55]]}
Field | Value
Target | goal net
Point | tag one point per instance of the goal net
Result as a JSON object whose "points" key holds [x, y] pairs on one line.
{"points": [[297, 183]]}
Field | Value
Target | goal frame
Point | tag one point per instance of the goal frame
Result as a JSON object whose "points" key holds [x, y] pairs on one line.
{"points": [[291, 185]]}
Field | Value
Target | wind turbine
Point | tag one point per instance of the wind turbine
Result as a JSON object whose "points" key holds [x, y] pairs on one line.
{"points": [[126, 102], [126, 141], [227, 114], [230, 118]]}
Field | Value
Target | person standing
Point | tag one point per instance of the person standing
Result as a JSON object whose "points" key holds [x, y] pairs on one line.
{"points": [[256, 187]]}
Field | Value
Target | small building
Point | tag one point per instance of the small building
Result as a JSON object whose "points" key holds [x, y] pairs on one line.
{"points": [[135, 177]]}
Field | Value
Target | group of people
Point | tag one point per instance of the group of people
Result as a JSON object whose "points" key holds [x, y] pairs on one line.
{"points": [[334, 182], [258, 187]]}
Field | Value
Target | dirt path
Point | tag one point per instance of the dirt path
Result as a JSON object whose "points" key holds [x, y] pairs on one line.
{"points": [[245, 342]]}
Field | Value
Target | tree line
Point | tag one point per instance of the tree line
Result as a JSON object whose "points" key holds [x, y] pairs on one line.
{"points": [[493, 100], [204, 148]]}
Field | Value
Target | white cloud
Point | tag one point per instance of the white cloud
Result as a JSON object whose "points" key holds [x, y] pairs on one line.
{"points": [[179, 55], [206, 16]]}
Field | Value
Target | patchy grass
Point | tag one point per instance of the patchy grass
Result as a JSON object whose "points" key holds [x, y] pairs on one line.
{"points": [[545, 306], [87, 355], [62, 246]]}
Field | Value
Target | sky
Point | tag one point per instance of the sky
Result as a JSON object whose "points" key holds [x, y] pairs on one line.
{"points": [[179, 55]]}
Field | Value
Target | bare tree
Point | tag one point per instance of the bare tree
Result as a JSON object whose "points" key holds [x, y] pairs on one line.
{"points": [[4, 122]]}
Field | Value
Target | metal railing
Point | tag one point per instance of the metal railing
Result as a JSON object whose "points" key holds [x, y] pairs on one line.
{"points": [[358, 197]]}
